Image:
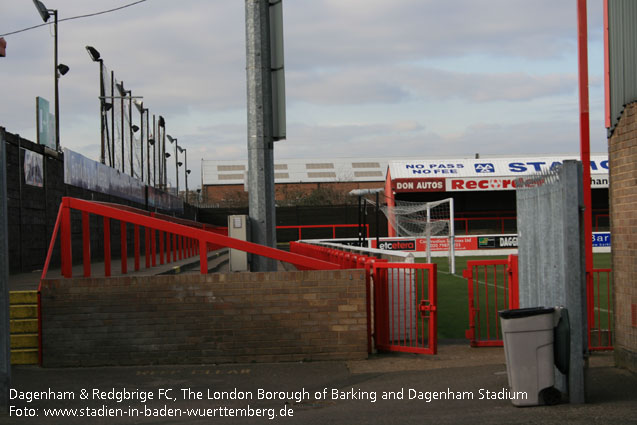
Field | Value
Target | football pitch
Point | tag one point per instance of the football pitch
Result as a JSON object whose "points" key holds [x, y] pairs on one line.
{"points": [[453, 303]]}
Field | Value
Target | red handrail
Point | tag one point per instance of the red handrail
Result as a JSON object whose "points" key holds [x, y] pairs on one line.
{"points": [[185, 239], [322, 226]]}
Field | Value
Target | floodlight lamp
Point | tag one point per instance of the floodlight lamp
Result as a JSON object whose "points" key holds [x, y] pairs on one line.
{"points": [[171, 139], [162, 123], [179, 164], [187, 171], [122, 91], [93, 53], [108, 106], [135, 128], [63, 69], [151, 141], [42, 10], [167, 155], [140, 106], [182, 150]]}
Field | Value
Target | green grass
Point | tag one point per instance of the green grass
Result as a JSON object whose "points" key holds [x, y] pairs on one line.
{"points": [[453, 303]]}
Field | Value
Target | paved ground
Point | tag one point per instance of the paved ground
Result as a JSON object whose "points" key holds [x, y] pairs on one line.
{"points": [[353, 392], [332, 392]]}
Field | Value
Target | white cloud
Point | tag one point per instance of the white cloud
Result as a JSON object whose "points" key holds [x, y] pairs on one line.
{"points": [[371, 77]]}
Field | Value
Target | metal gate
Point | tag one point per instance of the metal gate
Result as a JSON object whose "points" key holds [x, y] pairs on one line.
{"points": [[405, 316], [492, 286], [600, 310]]}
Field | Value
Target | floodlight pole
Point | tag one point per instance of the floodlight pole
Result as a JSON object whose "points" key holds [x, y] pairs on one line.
{"points": [[186, 171], [148, 147], [260, 133], [113, 120], [102, 114], [57, 79], [130, 130]]}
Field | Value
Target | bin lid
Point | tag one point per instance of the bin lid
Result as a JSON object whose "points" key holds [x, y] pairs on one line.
{"points": [[525, 312]]}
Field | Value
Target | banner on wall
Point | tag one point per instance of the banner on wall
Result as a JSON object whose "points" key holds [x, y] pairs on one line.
{"points": [[33, 168]]}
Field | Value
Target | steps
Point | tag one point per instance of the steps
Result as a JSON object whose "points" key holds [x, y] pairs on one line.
{"points": [[23, 313]]}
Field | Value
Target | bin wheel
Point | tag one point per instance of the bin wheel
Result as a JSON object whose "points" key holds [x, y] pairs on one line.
{"points": [[551, 396]]}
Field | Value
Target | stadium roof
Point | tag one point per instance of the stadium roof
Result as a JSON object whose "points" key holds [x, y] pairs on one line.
{"points": [[234, 172], [299, 170]]}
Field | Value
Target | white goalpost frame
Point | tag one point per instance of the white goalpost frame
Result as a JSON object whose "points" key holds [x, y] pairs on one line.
{"points": [[452, 236], [430, 220]]}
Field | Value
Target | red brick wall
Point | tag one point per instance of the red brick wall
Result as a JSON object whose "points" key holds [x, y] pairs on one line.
{"points": [[232, 195], [215, 318], [623, 212]]}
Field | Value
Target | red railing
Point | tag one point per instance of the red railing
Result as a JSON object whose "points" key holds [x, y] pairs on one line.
{"points": [[489, 281], [176, 241], [322, 226], [600, 310], [597, 217], [467, 220], [492, 286]]}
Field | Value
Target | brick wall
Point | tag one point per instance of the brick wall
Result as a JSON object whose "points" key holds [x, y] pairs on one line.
{"points": [[623, 207], [234, 195], [198, 319]]}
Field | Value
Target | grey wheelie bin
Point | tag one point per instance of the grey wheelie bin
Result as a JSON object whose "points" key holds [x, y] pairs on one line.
{"points": [[528, 335]]}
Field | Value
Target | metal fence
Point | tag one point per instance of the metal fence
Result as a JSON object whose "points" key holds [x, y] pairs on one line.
{"points": [[551, 257]]}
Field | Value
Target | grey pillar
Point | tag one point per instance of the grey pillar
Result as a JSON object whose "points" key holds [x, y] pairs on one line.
{"points": [[260, 140], [5, 338], [552, 264]]}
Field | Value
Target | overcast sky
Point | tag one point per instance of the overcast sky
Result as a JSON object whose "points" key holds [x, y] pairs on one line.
{"points": [[371, 78]]}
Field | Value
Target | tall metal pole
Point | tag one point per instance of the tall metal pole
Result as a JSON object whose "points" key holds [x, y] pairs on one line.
{"points": [[122, 124], [102, 112], [186, 171], [5, 341], [141, 142], [163, 144], [130, 130], [57, 91], [156, 137], [147, 146], [585, 139], [113, 119], [176, 169], [260, 140]]}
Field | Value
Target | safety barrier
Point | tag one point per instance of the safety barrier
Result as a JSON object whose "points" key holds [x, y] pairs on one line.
{"points": [[170, 240], [405, 307], [600, 310], [404, 299], [333, 227], [492, 286]]}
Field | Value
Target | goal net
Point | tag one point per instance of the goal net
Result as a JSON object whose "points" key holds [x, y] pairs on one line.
{"points": [[425, 220]]}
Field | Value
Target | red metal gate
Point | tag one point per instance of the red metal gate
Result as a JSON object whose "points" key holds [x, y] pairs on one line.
{"points": [[492, 286], [405, 299], [600, 310]]}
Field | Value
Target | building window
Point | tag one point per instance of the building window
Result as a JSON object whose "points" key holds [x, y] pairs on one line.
{"points": [[365, 165], [319, 166]]}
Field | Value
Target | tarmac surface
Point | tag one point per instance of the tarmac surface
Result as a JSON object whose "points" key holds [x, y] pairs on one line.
{"points": [[347, 392], [458, 385]]}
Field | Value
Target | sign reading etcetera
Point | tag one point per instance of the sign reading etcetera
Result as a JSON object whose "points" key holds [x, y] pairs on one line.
{"points": [[480, 174]]}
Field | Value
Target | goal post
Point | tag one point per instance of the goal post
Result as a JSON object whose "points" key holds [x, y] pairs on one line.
{"points": [[425, 219]]}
